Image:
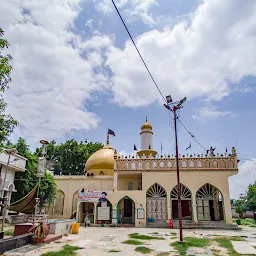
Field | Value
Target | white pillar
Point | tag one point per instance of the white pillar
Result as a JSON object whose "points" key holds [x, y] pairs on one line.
{"points": [[115, 180], [95, 213], [169, 206], [194, 209], [114, 209]]}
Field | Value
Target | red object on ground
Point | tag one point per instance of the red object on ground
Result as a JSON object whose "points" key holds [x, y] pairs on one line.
{"points": [[170, 223], [21, 229], [51, 238]]}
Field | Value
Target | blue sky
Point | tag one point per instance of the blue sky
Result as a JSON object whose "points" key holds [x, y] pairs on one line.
{"points": [[76, 73]]}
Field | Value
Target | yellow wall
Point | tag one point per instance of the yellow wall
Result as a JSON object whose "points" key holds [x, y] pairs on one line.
{"points": [[122, 183], [168, 180]]}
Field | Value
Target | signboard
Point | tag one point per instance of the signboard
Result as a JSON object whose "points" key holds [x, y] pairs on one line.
{"points": [[41, 166], [103, 213], [140, 213], [92, 196]]}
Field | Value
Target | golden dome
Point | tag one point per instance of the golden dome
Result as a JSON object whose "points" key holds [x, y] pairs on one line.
{"points": [[101, 159], [146, 125]]}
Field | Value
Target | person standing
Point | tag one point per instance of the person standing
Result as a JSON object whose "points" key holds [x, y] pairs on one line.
{"points": [[86, 219]]}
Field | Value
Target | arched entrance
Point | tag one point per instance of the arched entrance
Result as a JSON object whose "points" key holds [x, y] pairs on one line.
{"points": [[209, 202], [86, 207], [126, 211], [104, 212], [59, 202], [185, 197], [74, 205], [157, 203]]}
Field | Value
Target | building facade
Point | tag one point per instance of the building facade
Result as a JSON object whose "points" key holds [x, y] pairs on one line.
{"points": [[142, 189], [17, 163]]}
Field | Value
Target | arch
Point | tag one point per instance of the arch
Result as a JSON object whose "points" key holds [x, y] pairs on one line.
{"points": [[11, 187], [59, 202], [184, 164], [101, 173], [199, 164], [191, 164], [161, 164], [126, 211], [214, 164], [169, 164], [209, 203], [126, 165], [207, 164], [230, 164], [147, 165], [186, 197], [86, 207], [74, 202], [222, 164], [133, 165], [140, 165], [154, 164], [156, 204]]}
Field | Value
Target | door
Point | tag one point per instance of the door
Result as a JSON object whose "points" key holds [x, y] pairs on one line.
{"points": [[127, 208], [156, 209]]}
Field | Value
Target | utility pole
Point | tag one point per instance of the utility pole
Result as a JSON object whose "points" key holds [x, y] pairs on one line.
{"points": [[173, 107]]}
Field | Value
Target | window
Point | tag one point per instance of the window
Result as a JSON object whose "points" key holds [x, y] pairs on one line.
{"points": [[161, 164], [191, 164], [184, 164], [222, 164], [126, 165], [199, 164], [129, 185], [140, 165], [207, 164], [101, 173], [154, 164], [147, 165], [230, 164], [169, 164], [133, 165], [214, 164]]}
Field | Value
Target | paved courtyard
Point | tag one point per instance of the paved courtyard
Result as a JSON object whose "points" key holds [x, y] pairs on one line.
{"points": [[103, 241]]}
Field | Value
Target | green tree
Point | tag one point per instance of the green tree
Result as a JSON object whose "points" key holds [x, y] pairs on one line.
{"points": [[251, 197], [25, 181], [69, 157], [241, 206], [7, 123]]}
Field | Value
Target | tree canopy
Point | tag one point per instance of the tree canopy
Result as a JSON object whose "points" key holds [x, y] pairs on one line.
{"points": [[25, 181], [7, 123], [251, 197], [69, 157]]}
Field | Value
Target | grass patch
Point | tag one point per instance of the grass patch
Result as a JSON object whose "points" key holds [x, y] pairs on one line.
{"points": [[237, 238], [133, 242], [226, 243], [143, 250], [216, 252], [173, 233], [8, 232], [190, 242], [154, 233], [67, 250], [144, 237], [163, 254], [247, 222], [114, 251]]}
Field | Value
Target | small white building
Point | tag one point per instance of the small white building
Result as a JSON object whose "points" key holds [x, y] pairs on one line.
{"points": [[17, 163]]}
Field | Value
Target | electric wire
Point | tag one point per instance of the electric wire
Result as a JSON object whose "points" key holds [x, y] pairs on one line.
{"points": [[138, 51]]}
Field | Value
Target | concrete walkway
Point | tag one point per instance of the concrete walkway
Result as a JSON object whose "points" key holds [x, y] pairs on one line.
{"points": [[101, 240]]}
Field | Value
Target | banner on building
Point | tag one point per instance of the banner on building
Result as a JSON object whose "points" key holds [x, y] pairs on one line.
{"points": [[41, 166], [92, 196]]}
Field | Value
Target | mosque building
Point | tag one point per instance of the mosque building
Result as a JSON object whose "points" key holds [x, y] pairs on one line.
{"points": [[142, 190]]}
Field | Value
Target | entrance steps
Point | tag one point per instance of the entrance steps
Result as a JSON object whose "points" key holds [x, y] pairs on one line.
{"points": [[189, 224]]}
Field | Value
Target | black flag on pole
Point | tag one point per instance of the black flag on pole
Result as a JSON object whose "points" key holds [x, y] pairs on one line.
{"points": [[149, 147], [188, 146], [110, 132], [226, 149], [134, 147]]}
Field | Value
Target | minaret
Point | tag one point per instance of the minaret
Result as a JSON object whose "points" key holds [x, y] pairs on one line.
{"points": [[146, 140]]}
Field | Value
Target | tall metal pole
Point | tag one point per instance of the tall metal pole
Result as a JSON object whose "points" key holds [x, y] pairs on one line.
{"points": [[178, 174]]}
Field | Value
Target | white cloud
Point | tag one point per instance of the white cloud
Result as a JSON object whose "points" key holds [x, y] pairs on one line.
{"points": [[238, 184], [197, 59], [51, 81], [210, 113], [132, 9]]}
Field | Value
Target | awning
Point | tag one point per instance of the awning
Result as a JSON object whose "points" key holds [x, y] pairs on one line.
{"points": [[27, 203]]}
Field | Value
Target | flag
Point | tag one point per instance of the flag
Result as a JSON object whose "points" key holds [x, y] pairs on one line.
{"points": [[188, 146], [110, 132], [226, 149], [149, 147], [134, 147], [161, 148]]}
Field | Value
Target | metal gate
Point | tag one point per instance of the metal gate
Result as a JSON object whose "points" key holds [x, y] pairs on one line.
{"points": [[156, 209]]}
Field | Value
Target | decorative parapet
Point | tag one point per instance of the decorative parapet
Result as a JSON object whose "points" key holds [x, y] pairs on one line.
{"points": [[194, 162]]}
